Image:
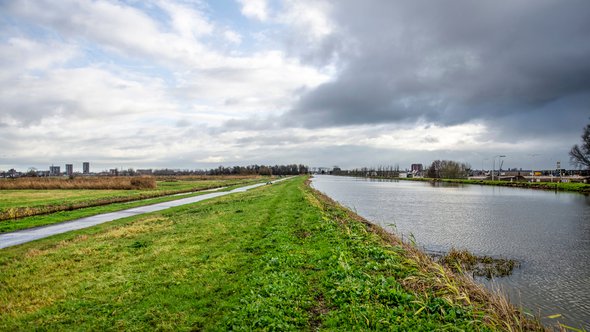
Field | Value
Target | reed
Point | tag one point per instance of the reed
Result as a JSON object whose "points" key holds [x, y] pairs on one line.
{"points": [[119, 182], [463, 261]]}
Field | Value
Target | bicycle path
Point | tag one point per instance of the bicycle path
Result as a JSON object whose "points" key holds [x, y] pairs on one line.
{"points": [[31, 234]]}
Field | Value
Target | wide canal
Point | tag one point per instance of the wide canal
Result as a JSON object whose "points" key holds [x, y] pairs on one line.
{"points": [[547, 232]]}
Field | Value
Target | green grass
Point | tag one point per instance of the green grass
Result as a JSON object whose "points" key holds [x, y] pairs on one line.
{"points": [[275, 258], [15, 204]]}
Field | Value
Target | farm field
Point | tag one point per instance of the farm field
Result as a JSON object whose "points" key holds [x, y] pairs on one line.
{"points": [[280, 257], [22, 203]]}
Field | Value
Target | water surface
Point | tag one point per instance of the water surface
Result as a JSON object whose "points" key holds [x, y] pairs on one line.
{"points": [[547, 232]]}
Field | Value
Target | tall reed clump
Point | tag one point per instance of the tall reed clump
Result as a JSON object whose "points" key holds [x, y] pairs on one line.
{"points": [[463, 261], [119, 182]]}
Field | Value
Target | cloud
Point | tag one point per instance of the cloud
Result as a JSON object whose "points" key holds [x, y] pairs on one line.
{"points": [[256, 9], [78, 93], [354, 83], [453, 63], [232, 36], [103, 58], [125, 30]]}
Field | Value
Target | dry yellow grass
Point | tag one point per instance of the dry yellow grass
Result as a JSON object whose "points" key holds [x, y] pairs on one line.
{"points": [[120, 182]]}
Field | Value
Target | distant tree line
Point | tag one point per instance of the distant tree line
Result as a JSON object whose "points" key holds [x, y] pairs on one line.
{"points": [[439, 169], [380, 171], [292, 169]]}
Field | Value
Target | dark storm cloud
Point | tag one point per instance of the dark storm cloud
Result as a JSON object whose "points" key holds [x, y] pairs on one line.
{"points": [[451, 62]]}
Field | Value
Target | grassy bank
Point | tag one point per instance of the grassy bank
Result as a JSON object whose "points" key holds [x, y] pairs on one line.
{"points": [[280, 257], [15, 204]]}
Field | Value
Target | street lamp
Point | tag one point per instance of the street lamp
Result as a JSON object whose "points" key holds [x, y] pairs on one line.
{"points": [[494, 165]]}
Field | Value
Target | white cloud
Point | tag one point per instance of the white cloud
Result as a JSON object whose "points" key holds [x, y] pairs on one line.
{"points": [[431, 138], [309, 17], [189, 23], [28, 54], [262, 83], [232, 36], [256, 9], [78, 93], [123, 29]]}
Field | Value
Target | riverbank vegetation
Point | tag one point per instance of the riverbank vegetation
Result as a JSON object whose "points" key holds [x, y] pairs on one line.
{"points": [[15, 204], [280, 257], [559, 186], [463, 261]]}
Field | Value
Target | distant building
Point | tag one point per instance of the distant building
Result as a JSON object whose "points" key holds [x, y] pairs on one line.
{"points": [[416, 168], [69, 169], [86, 167], [54, 170], [43, 173], [144, 171]]}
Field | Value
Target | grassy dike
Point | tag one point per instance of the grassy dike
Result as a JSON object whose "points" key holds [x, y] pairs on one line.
{"points": [[280, 257]]}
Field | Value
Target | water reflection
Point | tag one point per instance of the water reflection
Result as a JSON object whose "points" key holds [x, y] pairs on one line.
{"points": [[548, 232]]}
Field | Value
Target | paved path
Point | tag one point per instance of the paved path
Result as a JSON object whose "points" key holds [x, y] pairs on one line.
{"points": [[27, 235]]}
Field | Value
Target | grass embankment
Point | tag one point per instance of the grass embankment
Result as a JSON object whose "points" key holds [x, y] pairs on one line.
{"points": [[15, 204], [280, 257], [560, 186]]}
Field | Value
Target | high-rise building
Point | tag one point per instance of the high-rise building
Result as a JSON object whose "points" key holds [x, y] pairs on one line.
{"points": [[86, 167], [69, 169], [54, 170]]}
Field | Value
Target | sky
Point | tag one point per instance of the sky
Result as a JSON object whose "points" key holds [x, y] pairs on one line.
{"points": [[197, 84]]}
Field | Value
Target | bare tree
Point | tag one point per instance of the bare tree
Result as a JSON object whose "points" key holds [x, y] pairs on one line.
{"points": [[580, 155], [448, 169]]}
